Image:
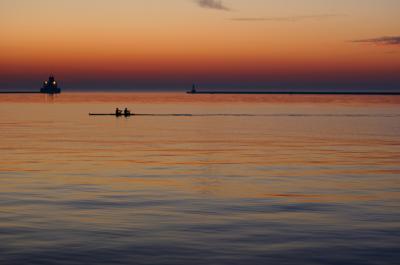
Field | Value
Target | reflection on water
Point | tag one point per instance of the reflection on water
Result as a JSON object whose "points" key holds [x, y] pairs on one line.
{"points": [[297, 180]]}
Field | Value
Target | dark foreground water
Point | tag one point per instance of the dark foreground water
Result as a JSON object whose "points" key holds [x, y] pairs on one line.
{"points": [[297, 180]]}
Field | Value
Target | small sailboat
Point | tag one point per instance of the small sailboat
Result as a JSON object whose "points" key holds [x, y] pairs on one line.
{"points": [[193, 91]]}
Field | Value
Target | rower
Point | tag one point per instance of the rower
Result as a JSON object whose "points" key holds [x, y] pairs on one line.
{"points": [[127, 112], [118, 112]]}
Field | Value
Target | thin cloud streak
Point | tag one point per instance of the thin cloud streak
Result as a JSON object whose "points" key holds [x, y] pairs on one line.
{"points": [[212, 4], [386, 40], [288, 19]]}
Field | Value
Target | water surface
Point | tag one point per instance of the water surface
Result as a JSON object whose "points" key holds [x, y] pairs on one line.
{"points": [[248, 179]]}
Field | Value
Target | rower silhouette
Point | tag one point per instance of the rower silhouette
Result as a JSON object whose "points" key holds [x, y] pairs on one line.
{"points": [[118, 112], [127, 112]]}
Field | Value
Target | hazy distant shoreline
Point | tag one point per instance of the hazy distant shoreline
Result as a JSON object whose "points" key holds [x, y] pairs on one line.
{"points": [[228, 92]]}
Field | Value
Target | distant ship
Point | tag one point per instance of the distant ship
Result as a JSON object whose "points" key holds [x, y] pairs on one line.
{"points": [[50, 86], [193, 91]]}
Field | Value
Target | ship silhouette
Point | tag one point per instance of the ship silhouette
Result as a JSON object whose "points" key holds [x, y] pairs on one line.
{"points": [[50, 86]]}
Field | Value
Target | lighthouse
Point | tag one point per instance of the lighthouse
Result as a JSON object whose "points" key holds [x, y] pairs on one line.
{"points": [[50, 86]]}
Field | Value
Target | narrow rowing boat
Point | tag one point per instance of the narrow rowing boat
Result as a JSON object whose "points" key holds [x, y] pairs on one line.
{"points": [[111, 114]]}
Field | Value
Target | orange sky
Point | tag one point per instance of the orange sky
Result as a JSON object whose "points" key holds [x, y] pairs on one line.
{"points": [[134, 44]]}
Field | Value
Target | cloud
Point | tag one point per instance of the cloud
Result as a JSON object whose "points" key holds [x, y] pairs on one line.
{"points": [[387, 40], [213, 4], [288, 19]]}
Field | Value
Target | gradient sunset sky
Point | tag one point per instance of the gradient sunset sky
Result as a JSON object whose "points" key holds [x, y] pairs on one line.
{"points": [[170, 44]]}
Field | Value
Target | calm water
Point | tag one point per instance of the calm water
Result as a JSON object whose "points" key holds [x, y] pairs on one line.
{"points": [[298, 180]]}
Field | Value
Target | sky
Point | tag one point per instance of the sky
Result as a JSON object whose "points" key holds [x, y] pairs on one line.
{"points": [[170, 44]]}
